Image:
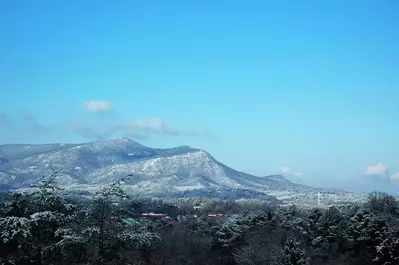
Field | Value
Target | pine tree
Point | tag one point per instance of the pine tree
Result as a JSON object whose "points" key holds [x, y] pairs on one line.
{"points": [[387, 252], [293, 254], [106, 231]]}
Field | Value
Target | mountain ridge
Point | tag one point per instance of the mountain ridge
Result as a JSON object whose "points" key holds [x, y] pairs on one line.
{"points": [[181, 169]]}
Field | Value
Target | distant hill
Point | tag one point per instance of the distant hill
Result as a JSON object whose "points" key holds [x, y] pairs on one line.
{"points": [[180, 171]]}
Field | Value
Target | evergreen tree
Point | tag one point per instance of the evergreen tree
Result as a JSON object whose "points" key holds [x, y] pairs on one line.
{"points": [[293, 254]]}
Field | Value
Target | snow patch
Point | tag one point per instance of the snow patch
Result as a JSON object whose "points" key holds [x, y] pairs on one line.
{"points": [[193, 187]]}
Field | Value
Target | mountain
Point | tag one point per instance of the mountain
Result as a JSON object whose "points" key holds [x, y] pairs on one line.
{"points": [[179, 171], [3, 160]]}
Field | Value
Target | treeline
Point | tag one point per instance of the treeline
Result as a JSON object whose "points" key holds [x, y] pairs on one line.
{"points": [[47, 227]]}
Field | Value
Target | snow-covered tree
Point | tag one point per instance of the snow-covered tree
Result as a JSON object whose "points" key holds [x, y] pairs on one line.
{"points": [[293, 254], [14, 204], [102, 221], [382, 203], [387, 252], [106, 231], [47, 196], [15, 235]]}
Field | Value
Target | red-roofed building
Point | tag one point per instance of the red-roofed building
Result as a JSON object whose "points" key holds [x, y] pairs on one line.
{"points": [[153, 215], [215, 216]]}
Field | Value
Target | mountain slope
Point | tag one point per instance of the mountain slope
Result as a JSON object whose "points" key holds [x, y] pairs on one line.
{"points": [[158, 171]]}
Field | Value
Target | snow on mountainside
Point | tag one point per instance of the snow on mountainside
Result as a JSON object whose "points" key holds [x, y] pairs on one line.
{"points": [[158, 171]]}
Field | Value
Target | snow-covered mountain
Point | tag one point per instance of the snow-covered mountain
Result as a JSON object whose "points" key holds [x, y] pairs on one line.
{"points": [[175, 171]]}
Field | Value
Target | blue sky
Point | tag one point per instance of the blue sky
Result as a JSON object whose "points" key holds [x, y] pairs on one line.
{"points": [[308, 85]]}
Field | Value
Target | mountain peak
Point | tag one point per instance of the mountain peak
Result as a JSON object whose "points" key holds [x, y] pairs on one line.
{"points": [[116, 140], [280, 178], [129, 140], [115, 143]]}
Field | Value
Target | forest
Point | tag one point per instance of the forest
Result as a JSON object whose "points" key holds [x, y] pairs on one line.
{"points": [[50, 226]]}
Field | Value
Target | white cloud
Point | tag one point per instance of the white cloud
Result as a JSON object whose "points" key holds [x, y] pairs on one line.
{"points": [[289, 170], [154, 124], [379, 169], [395, 176], [150, 125], [97, 105]]}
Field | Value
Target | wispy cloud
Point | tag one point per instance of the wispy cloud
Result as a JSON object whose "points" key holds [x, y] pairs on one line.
{"points": [[30, 120], [137, 128], [149, 126], [101, 127], [4, 120], [97, 105], [289, 170], [378, 169], [395, 176], [89, 133], [22, 126], [285, 169]]}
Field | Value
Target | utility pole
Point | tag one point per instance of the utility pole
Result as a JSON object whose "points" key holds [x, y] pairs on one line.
{"points": [[318, 198]]}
